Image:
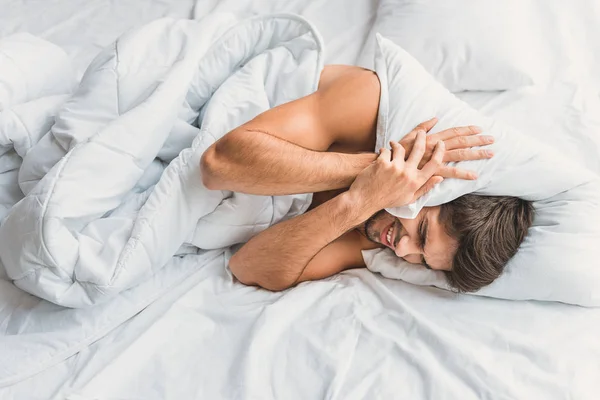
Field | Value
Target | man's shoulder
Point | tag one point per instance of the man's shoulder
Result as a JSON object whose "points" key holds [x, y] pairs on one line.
{"points": [[338, 74], [347, 104]]}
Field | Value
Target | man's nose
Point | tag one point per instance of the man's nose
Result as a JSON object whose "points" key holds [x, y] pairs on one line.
{"points": [[406, 247]]}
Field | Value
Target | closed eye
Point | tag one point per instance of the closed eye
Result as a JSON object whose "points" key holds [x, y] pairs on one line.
{"points": [[422, 234], [422, 231]]}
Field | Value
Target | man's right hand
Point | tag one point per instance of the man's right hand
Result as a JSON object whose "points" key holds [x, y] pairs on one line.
{"points": [[392, 181], [458, 142]]}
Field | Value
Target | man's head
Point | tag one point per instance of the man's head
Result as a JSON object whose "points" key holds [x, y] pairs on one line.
{"points": [[471, 238]]}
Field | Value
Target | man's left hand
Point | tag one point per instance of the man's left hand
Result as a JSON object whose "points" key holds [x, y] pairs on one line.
{"points": [[458, 143]]}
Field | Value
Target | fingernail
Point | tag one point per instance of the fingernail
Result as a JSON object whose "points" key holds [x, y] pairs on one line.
{"points": [[489, 153], [489, 139], [477, 129], [473, 176]]}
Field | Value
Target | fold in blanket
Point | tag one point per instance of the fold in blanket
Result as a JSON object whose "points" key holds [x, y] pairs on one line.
{"points": [[113, 190]]}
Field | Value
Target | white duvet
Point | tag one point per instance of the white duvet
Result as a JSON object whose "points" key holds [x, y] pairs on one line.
{"points": [[114, 190], [113, 198]]}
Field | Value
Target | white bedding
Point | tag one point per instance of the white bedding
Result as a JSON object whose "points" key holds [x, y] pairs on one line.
{"points": [[352, 336], [103, 212], [84, 27], [113, 189]]}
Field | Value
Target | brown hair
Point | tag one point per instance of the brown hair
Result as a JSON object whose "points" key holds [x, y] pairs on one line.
{"points": [[489, 231]]}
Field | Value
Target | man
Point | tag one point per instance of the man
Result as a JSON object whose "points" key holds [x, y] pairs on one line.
{"points": [[323, 144]]}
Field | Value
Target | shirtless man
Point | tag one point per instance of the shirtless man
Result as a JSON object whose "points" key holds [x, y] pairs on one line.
{"points": [[324, 144]]}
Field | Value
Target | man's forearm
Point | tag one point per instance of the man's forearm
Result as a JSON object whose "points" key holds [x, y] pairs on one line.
{"points": [[276, 258], [258, 163]]}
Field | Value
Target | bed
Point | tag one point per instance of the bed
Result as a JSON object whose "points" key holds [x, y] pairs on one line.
{"points": [[356, 335]]}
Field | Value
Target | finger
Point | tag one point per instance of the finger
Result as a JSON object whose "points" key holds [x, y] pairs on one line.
{"points": [[458, 132], [427, 125], [463, 142], [466, 155], [398, 152], [428, 186], [418, 150], [422, 127], [457, 173], [436, 161], [385, 155]]}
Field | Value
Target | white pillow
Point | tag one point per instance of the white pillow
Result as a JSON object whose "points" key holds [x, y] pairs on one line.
{"points": [[469, 44], [558, 259]]}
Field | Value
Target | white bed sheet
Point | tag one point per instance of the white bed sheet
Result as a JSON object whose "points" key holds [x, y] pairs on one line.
{"points": [[84, 27], [81, 27], [352, 336]]}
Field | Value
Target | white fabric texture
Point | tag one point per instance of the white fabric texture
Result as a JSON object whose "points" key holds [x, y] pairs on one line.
{"points": [[491, 47], [101, 211], [353, 336], [343, 28], [82, 28], [31, 68], [37, 334], [559, 253], [494, 45]]}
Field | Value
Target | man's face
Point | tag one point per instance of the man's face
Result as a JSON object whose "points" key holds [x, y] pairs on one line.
{"points": [[422, 240]]}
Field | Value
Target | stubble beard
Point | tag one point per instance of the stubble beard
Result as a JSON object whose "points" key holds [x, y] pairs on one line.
{"points": [[370, 232]]}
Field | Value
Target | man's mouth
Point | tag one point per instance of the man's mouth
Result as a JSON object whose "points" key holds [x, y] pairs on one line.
{"points": [[387, 236]]}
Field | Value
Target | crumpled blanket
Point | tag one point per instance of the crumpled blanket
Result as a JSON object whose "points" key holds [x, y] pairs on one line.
{"points": [[109, 175]]}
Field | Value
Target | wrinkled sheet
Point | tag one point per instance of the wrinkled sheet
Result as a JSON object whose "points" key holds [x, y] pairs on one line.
{"points": [[354, 336]]}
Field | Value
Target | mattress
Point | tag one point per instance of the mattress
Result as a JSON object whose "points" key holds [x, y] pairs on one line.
{"points": [[352, 336]]}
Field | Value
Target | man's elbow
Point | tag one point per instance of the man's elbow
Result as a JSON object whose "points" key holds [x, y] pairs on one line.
{"points": [[268, 284], [219, 165], [209, 169], [247, 276]]}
